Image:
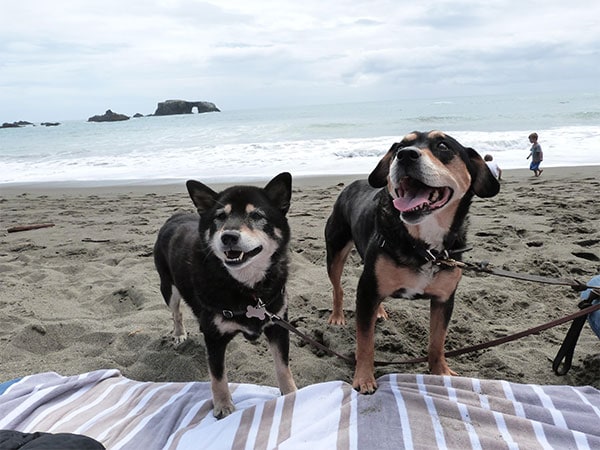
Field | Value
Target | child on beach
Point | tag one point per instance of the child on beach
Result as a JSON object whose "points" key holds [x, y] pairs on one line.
{"points": [[536, 154], [493, 166]]}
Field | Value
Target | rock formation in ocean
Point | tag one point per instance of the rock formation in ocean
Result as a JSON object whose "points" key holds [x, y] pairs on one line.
{"points": [[108, 116], [170, 107], [19, 124]]}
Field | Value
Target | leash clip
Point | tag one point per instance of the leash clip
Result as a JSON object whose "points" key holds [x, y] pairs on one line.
{"points": [[437, 257], [449, 262], [429, 256]]}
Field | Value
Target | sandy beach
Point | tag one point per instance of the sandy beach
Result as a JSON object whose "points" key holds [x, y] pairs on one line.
{"points": [[83, 294]]}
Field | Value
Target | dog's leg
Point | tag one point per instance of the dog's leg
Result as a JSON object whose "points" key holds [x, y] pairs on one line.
{"points": [[366, 315], [215, 348], [335, 267], [440, 313], [179, 333], [279, 343]]}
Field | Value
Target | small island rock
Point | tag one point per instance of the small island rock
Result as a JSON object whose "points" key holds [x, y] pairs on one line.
{"points": [[19, 124], [108, 116]]}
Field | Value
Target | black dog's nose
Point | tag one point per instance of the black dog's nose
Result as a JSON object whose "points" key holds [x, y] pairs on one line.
{"points": [[408, 154], [230, 237]]}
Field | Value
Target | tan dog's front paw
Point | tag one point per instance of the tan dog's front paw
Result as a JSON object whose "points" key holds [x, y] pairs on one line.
{"points": [[441, 369], [365, 385], [336, 319]]}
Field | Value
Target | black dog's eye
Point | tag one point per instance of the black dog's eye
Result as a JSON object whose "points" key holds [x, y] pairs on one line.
{"points": [[443, 146], [256, 215], [221, 215]]}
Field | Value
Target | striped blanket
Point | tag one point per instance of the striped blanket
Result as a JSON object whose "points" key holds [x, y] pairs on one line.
{"points": [[407, 411]]}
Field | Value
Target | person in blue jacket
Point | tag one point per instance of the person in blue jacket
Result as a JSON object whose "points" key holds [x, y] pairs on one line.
{"points": [[594, 295]]}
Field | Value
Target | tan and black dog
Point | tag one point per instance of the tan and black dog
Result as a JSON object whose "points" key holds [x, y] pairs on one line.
{"points": [[229, 263], [412, 209]]}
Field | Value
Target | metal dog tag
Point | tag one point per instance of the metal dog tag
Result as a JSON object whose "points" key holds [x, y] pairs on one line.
{"points": [[258, 312]]}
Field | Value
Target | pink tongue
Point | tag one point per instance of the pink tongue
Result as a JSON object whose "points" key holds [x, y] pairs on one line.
{"points": [[403, 204]]}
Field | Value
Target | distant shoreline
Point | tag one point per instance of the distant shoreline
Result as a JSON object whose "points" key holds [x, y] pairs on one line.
{"points": [[178, 185]]}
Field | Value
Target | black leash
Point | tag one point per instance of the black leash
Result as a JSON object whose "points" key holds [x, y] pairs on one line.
{"points": [[579, 316], [486, 267], [565, 353], [288, 326], [564, 358]]}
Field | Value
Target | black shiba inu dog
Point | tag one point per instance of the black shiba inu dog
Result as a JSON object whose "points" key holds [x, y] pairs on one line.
{"points": [[229, 263], [412, 209]]}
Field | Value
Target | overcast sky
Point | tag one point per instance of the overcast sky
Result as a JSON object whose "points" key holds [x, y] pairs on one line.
{"points": [[71, 59]]}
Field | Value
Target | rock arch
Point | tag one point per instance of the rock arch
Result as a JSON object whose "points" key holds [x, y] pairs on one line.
{"points": [[170, 107]]}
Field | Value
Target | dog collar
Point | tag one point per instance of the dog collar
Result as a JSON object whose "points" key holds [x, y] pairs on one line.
{"points": [[257, 311], [430, 255]]}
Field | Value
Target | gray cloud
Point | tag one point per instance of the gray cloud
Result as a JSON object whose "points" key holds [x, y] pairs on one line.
{"points": [[86, 57]]}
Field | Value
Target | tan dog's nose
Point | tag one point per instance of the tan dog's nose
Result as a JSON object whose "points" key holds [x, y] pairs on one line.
{"points": [[408, 155]]}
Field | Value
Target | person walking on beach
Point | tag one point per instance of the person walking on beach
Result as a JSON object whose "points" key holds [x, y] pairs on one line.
{"points": [[536, 154], [493, 166]]}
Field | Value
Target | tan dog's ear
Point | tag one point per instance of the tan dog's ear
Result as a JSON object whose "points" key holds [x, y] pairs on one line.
{"points": [[484, 184], [378, 177]]}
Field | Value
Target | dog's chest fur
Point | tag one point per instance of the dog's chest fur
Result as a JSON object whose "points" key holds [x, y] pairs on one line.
{"points": [[428, 280], [215, 291], [399, 268]]}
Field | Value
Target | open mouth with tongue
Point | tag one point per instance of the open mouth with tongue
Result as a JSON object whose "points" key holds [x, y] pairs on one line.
{"points": [[415, 198], [237, 257]]}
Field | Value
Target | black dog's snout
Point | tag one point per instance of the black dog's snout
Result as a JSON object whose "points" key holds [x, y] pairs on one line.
{"points": [[408, 155], [230, 237]]}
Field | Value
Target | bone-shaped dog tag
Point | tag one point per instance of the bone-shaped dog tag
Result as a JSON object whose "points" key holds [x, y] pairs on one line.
{"points": [[252, 311]]}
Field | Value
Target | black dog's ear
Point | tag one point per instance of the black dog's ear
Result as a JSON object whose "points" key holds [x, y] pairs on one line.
{"points": [[279, 191], [484, 183], [203, 197], [378, 177]]}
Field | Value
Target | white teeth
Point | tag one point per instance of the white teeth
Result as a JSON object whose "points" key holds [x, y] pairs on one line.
{"points": [[422, 207], [238, 259]]}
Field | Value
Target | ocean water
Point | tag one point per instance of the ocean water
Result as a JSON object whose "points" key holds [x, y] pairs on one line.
{"points": [[247, 145]]}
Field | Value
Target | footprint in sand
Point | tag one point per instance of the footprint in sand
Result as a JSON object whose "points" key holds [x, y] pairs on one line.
{"points": [[586, 255]]}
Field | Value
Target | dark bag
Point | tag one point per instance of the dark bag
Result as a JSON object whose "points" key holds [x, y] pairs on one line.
{"points": [[15, 440], [565, 353]]}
